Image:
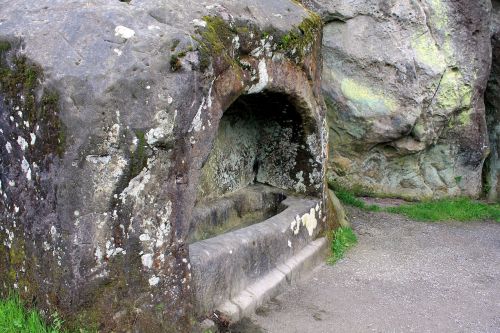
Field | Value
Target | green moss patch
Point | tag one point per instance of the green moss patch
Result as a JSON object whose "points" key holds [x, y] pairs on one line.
{"points": [[215, 41], [298, 42], [218, 38]]}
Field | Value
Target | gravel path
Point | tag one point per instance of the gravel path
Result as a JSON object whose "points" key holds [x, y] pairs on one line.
{"points": [[403, 276]]}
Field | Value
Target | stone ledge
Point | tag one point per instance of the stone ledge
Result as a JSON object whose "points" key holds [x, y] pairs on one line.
{"points": [[293, 270], [225, 265]]}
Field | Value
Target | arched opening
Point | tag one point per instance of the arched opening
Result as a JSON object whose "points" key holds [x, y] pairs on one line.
{"points": [[266, 148]]}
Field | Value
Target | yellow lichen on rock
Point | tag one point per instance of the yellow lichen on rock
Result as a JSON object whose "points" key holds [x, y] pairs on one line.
{"points": [[367, 99], [454, 93], [427, 53]]}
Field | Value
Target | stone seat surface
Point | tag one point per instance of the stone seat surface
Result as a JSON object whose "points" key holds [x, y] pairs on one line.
{"points": [[242, 208]]}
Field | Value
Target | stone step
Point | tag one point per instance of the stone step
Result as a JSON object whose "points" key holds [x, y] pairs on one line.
{"points": [[240, 269]]}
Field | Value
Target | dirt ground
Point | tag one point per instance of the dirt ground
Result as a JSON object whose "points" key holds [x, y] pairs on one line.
{"points": [[403, 276]]}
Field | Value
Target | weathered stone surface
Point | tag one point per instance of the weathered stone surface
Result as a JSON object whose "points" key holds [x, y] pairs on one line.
{"points": [[492, 166], [225, 265], [108, 112], [404, 83]]}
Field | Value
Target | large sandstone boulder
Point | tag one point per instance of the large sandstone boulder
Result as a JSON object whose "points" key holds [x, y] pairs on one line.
{"points": [[404, 83], [108, 113], [492, 168]]}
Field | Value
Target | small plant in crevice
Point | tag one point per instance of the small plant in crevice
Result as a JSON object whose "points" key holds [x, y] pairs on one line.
{"points": [[343, 238]]}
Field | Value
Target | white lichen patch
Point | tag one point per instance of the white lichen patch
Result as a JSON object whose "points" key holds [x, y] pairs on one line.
{"points": [[144, 238], [299, 185], [314, 147], [310, 222], [112, 250], [8, 146], [33, 138], [197, 123], [163, 132], [295, 225], [98, 255], [124, 32], [97, 159], [199, 23], [153, 281], [22, 143], [114, 134], [163, 231], [25, 166], [307, 220], [236, 42], [263, 79], [147, 260], [265, 49], [136, 185]]}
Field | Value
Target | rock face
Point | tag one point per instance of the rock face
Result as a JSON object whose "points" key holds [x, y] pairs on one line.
{"points": [[492, 167], [109, 111], [404, 84]]}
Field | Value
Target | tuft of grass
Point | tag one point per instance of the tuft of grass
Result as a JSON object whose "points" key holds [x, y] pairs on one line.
{"points": [[348, 198], [462, 209], [343, 238], [15, 317]]}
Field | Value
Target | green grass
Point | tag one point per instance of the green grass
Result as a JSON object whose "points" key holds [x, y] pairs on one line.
{"points": [[459, 209], [462, 209], [343, 238], [348, 198], [15, 317]]}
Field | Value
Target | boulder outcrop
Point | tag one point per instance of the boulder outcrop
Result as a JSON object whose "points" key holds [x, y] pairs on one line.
{"points": [[404, 83], [109, 111]]}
